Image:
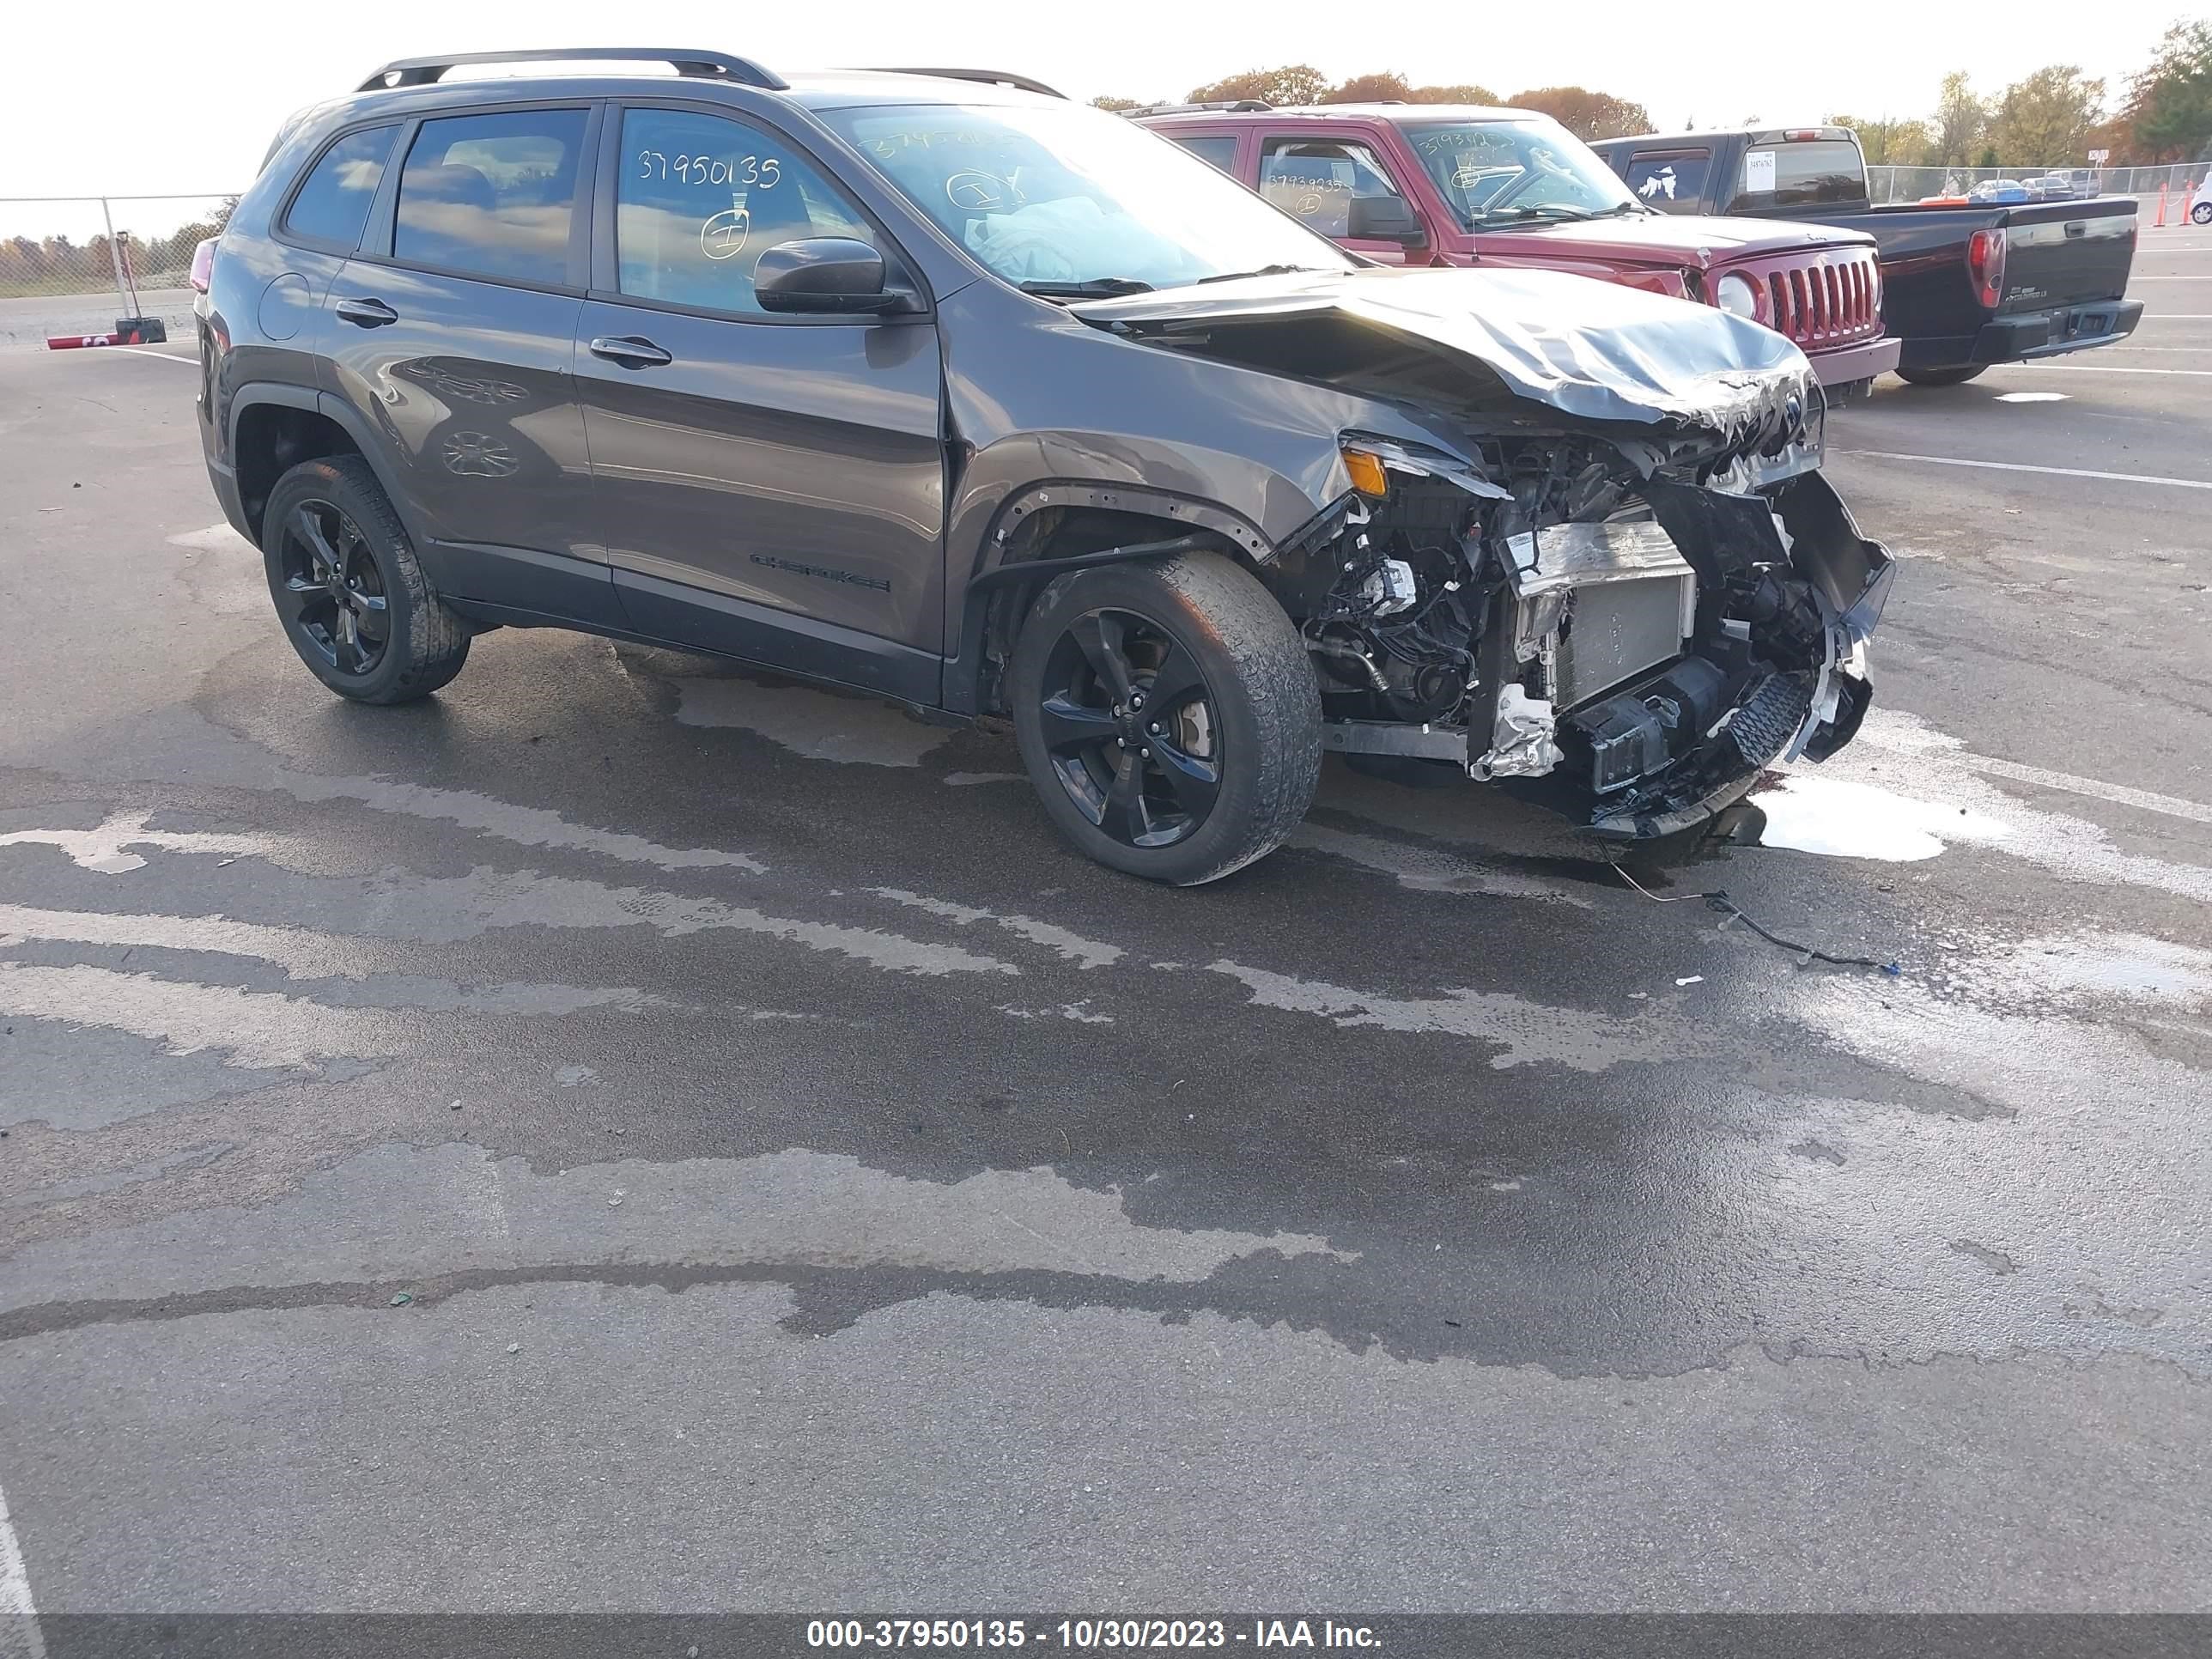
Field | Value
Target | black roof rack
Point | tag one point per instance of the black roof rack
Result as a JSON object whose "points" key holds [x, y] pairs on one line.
{"points": [[708, 65], [1237, 106], [983, 77]]}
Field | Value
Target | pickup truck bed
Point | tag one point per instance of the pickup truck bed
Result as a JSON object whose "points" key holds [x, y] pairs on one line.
{"points": [[1962, 286]]}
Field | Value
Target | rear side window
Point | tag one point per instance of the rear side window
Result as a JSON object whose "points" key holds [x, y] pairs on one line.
{"points": [[703, 197], [1217, 152], [492, 195], [1673, 181], [332, 204], [1801, 175]]}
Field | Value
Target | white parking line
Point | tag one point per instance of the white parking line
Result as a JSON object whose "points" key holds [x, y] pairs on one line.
{"points": [[2119, 794], [2098, 368], [19, 1617], [145, 352], [2021, 466]]}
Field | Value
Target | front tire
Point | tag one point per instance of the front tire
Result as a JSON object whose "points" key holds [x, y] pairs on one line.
{"points": [[352, 596], [1168, 715], [1957, 376]]}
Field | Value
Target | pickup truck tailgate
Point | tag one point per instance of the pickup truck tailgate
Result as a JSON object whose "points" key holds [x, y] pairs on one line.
{"points": [[2063, 254]]}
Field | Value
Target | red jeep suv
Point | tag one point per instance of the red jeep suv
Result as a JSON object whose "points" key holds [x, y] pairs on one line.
{"points": [[1452, 185]]}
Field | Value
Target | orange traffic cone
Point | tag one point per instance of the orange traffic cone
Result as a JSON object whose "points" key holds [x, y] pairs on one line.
{"points": [[2160, 219]]}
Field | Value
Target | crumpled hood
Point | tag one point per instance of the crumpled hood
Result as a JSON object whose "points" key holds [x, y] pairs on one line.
{"points": [[1591, 350], [1679, 240]]}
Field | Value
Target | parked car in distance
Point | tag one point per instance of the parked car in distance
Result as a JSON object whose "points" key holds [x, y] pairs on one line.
{"points": [[939, 385], [2050, 187], [2005, 191], [1446, 184], [1963, 286]]}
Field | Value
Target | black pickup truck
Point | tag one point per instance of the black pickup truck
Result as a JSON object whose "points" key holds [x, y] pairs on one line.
{"points": [[1963, 286]]}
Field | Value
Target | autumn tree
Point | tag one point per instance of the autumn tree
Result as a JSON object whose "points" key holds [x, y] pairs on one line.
{"points": [[1294, 84], [1384, 89], [2169, 104], [1585, 114], [1108, 101], [2044, 120], [1889, 143], [1959, 121], [1464, 92]]}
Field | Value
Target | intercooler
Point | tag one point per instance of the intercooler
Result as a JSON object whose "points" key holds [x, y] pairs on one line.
{"points": [[1610, 600]]}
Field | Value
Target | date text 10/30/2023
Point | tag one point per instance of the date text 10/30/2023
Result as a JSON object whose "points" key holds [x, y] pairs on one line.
{"points": [[1088, 1635]]}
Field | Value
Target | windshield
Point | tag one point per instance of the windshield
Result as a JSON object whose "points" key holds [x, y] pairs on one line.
{"points": [[1529, 170], [1055, 198]]}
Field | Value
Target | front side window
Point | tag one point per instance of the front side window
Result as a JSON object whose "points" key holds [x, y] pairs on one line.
{"points": [[1527, 171], [1314, 180], [332, 205], [703, 196], [1053, 196], [1672, 181], [492, 195]]}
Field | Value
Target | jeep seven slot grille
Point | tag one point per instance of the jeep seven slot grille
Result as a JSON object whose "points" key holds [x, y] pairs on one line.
{"points": [[1826, 304]]}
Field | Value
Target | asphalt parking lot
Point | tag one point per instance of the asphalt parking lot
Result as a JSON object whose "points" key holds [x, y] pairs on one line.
{"points": [[631, 1135]]}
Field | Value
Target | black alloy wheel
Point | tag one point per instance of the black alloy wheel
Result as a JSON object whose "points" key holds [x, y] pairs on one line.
{"points": [[1132, 729], [336, 592]]}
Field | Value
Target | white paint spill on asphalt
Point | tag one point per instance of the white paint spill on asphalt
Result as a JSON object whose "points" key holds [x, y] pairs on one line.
{"points": [[255, 1030], [1900, 752], [1844, 818], [102, 848], [525, 826], [18, 1615], [2032, 397], [304, 954], [1526, 1033], [1426, 870], [819, 725], [1081, 1012], [2095, 966], [400, 1211], [217, 537], [461, 907], [1083, 952]]}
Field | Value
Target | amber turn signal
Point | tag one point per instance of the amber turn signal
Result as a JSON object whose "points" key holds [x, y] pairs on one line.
{"points": [[1366, 472]]}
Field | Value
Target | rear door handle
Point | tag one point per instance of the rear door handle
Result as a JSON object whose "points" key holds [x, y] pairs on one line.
{"points": [[367, 314], [630, 352]]}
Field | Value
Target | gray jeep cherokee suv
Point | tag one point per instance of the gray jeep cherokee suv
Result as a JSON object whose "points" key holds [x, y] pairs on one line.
{"points": [[935, 384]]}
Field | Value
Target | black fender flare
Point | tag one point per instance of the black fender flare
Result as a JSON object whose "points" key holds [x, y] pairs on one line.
{"points": [[990, 576], [280, 394]]}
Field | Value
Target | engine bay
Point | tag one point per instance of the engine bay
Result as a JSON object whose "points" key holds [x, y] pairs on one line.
{"points": [[1625, 640]]}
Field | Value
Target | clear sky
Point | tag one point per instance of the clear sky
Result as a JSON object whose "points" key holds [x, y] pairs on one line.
{"points": [[126, 98]]}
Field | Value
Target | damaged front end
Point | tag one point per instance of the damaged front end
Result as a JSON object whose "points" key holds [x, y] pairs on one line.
{"points": [[1629, 646], [1623, 589]]}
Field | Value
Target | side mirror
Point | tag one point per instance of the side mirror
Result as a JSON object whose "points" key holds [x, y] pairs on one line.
{"points": [[831, 274], [1384, 219]]}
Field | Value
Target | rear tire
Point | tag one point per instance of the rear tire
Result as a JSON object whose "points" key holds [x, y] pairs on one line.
{"points": [[1958, 376], [352, 596], [1168, 715], [2201, 213]]}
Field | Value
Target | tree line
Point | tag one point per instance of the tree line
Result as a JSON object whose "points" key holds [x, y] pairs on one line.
{"points": [[59, 265], [1585, 114], [2056, 116], [2052, 117]]}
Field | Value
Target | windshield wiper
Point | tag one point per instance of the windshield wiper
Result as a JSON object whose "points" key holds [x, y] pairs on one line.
{"points": [[1550, 212], [1264, 270], [1097, 288]]}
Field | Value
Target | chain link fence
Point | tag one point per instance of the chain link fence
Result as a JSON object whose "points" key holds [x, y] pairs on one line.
{"points": [[1888, 185], [73, 264]]}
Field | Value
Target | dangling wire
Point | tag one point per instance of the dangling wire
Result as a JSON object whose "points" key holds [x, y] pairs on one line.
{"points": [[1718, 899]]}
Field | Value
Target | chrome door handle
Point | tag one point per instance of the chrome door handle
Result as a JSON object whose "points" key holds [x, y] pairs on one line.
{"points": [[367, 313], [630, 352]]}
